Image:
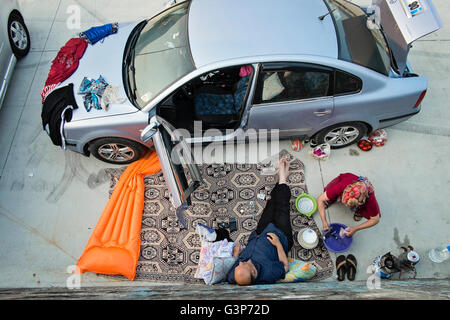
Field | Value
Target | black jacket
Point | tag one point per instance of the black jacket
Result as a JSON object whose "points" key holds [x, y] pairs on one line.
{"points": [[52, 110]]}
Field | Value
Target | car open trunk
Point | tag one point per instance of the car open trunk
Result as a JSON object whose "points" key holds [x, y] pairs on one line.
{"points": [[403, 22]]}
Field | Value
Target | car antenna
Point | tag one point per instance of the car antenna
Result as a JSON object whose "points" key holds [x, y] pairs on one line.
{"points": [[323, 17]]}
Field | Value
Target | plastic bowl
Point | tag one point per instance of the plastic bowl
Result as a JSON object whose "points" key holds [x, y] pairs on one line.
{"points": [[307, 238], [340, 245], [306, 204]]}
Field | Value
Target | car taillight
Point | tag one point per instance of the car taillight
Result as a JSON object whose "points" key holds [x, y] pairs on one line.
{"points": [[419, 101]]}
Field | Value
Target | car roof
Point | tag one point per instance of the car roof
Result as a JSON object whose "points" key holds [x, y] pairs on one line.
{"points": [[228, 29]]}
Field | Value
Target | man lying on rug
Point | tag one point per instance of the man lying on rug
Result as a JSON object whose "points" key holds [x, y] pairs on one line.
{"points": [[354, 192], [264, 259]]}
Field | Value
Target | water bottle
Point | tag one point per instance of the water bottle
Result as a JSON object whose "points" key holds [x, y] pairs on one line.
{"points": [[439, 254], [252, 208]]}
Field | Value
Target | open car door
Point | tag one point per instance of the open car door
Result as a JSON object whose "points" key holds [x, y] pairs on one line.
{"points": [[403, 22], [176, 158]]}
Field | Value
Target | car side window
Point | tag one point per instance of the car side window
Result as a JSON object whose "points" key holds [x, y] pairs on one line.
{"points": [[292, 84], [346, 83]]}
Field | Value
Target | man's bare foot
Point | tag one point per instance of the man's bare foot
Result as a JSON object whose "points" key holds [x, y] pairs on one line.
{"points": [[283, 171]]}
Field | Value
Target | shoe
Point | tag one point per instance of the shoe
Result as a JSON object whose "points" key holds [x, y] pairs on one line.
{"points": [[351, 267], [313, 143], [341, 267]]}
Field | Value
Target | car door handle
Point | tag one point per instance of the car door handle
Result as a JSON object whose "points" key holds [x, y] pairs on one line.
{"points": [[322, 113]]}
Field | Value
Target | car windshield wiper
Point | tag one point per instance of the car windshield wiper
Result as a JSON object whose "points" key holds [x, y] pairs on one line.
{"points": [[130, 60], [132, 74]]}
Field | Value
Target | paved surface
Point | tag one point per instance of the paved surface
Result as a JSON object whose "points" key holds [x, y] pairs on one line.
{"points": [[50, 200], [429, 289]]}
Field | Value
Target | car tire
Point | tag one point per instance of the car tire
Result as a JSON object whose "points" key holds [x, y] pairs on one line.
{"points": [[117, 150], [341, 135], [18, 35]]}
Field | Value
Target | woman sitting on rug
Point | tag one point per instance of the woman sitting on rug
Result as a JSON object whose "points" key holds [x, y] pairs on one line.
{"points": [[354, 192], [264, 259]]}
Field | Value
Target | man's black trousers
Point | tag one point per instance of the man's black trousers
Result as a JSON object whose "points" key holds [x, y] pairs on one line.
{"points": [[277, 211]]}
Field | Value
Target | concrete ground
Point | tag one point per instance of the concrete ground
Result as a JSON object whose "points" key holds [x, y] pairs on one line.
{"points": [[51, 200]]}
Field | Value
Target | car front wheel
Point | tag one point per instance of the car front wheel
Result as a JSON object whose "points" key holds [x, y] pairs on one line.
{"points": [[18, 35], [117, 150], [342, 135]]}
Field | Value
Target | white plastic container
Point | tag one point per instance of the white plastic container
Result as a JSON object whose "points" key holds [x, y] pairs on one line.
{"points": [[439, 254]]}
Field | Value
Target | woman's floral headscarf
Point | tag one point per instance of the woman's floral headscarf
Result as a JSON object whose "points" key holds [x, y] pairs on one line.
{"points": [[356, 194]]}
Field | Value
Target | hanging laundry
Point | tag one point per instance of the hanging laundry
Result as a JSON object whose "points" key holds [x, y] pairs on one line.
{"points": [[56, 110], [63, 121], [92, 91], [64, 65], [95, 34], [111, 95], [98, 93]]}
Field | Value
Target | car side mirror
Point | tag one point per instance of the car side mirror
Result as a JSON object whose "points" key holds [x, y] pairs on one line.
{"points": [[149, 131]]}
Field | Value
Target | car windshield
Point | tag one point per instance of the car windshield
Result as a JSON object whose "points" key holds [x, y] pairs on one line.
{"points": [[160, 54], [357, 42]]}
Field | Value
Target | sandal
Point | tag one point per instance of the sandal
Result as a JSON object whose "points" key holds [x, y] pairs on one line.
{"points": [[351, 267], [341, 267], [357, 217]]}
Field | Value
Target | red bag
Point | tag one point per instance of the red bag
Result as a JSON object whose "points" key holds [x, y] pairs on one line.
{"points": [[378, 138]]}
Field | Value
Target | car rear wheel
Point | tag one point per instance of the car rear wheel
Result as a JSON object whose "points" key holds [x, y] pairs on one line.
{"points": [[117, 150], [342, 135], [18, 35]]}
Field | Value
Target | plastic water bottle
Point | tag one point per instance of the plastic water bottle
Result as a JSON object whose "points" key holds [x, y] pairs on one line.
{"points": [[252, 208], [439, 254]]}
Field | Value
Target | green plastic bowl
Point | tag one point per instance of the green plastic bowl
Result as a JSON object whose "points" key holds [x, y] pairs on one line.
{"points": [[306, 204]]}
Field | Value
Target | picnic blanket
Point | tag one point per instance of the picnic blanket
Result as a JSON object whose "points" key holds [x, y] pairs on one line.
{"points": [[171, 253]]}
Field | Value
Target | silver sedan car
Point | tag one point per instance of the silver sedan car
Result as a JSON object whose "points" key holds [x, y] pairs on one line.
{"points": [[14, 42], [324, 69]]}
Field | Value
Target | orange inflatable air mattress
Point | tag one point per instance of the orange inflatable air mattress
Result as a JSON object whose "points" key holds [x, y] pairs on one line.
{"points": [[114, 246]]}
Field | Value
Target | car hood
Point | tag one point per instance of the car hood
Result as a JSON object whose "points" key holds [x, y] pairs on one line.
{"points": [[103, 58]]}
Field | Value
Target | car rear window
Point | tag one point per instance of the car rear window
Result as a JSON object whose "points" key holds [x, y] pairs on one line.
{"points": [[346, 83]]}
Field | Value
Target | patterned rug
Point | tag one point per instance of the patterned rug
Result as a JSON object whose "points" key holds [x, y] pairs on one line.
{"points": [[170, 253]]}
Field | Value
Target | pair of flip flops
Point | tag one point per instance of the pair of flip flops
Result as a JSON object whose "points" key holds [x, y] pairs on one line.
{"points": [[346, 265]]}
